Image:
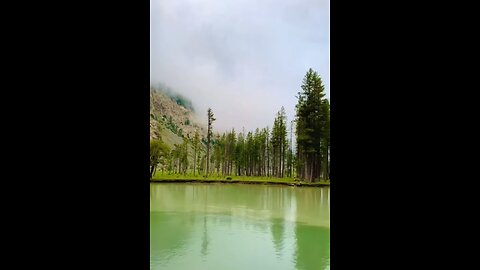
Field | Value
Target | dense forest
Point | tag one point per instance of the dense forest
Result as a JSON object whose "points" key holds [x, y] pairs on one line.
{"points": [[261, 152]]}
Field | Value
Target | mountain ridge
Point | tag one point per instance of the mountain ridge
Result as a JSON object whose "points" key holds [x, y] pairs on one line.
{"points": [[173, 117]]}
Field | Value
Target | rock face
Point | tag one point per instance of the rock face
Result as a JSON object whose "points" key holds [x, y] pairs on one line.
{"points": [[171, 121]]}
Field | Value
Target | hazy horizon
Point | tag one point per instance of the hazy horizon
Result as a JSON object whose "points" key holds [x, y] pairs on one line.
{"points": [[244, 59]]}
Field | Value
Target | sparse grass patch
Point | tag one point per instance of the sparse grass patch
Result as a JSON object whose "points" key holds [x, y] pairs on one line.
{"points": [[159, 176]]}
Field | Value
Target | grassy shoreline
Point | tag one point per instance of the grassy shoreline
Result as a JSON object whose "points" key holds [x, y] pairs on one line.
{"points": [[165, 178]]}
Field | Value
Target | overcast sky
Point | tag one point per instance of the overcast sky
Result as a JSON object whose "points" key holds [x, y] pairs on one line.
{"points": [[243, 58]]}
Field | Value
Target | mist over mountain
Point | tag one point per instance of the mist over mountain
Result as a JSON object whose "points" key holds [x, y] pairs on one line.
{"points": [[172, 117], [174, 96]]}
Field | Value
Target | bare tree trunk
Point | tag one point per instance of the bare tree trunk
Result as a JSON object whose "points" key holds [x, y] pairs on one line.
{"points": [[268, 158], [311, 170], [328, 164], [151, 171], [282, 156], [208, 157], [194, 159]]}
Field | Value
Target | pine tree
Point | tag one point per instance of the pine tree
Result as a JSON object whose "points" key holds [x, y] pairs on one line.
{"points": [[325, 139], [209, 135], [309, 127], [184, 156], [196, 146], [239, 154], [279, 143]]}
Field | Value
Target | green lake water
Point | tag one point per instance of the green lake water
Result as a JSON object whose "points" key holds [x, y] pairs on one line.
{"points": [[230, 226]]}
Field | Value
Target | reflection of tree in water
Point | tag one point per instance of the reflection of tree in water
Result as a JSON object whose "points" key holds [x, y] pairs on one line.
{"points": [[313, 247], [205, 237], [275, 201], [204, 249], [277, 229]]}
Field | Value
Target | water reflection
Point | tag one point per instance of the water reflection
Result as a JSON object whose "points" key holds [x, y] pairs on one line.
{"points": [[277, 229], [195, 226], [205, 237]]}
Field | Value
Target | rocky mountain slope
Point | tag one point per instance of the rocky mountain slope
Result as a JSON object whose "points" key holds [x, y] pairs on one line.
{"points": [[172, 118]]}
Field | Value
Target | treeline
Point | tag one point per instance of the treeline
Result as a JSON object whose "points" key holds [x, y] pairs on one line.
{"points": [[262, 152], [254, 153]]}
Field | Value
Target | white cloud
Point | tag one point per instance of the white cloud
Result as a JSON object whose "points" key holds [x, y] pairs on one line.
{"points": [[245, 59]]}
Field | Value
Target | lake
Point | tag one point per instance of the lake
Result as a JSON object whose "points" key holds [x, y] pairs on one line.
{"points": [[235, 226]]}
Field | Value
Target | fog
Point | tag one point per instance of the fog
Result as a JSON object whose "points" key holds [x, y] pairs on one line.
{"points": [[245, 59]]}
